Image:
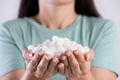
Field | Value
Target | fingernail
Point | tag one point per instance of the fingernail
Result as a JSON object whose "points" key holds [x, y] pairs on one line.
{"points": [[55, 59], [76, 53], [47, 57], [61, 65], [30, 55], [40, 52], [88, 57], [68, 53], [63, 57]]}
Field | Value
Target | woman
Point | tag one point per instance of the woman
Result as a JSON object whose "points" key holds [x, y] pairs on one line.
{"points": [[77, 20]]}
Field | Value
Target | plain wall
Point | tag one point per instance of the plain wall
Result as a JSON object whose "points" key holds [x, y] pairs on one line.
{"points": [[108, 9], [8, 9]]}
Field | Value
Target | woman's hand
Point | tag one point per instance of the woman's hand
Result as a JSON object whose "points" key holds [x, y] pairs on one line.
{"points": [[76, 66], [41, 66]]}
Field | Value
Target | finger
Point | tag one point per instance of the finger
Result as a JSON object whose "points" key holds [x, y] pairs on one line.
{"points": [[74, 65], [34, 61], [29, 57], [67, 70], [92, 54], [64, 60], [89, 56], [61, 68], [27, 54], [85, 67], [79, 56], [52, 66], [43, 65], [24, 53], [27, 61]]}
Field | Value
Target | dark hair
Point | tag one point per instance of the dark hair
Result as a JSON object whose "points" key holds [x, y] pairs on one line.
{"points": [[31, 8]]}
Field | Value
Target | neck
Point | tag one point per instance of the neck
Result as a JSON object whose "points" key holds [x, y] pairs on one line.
{"points": [[56, 16]]}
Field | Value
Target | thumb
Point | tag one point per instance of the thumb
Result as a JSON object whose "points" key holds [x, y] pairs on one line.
{"points": [[27, 55]]}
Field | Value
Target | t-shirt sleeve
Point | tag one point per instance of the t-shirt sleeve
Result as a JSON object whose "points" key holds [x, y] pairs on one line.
{"points": [[106, 48], [10, 56]]}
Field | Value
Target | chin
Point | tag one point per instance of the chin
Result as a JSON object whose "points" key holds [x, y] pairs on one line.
{"points": [[59, 2]]}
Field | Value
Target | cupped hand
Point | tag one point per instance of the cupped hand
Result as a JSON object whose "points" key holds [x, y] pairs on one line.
{"points": [[39, 66], [75, 65]]}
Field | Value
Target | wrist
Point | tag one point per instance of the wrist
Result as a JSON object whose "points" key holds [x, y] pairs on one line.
{"points": [[26, 77], [44, 78], [88, 76]]}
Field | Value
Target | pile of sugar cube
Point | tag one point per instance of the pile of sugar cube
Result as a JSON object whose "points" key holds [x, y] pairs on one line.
{"points": [[57, 46]]}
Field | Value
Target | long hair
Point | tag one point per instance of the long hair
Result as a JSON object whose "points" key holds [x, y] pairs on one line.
{"points": [[84, 7]]}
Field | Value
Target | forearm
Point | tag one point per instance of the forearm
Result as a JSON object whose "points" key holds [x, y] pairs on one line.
{"points": [[27, 76], [88, 76]]}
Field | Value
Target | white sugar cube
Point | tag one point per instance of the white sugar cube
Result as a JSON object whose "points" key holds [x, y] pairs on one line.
{"points": [[58, 46], [30, 47]]}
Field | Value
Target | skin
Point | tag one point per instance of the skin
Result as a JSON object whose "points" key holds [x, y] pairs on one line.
{"points": [[73, 65], [53, 13]]}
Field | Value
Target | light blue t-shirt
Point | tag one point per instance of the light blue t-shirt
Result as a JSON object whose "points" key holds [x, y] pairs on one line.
{"points": [[96, 33]]}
